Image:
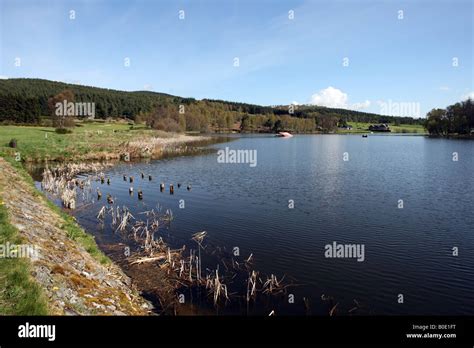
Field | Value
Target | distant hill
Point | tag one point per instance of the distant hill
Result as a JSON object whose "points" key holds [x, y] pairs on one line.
{"points": [[26, 100], [31, 96]]}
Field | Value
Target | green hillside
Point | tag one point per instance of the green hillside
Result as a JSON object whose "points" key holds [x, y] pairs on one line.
{"points": [[26, 101]]}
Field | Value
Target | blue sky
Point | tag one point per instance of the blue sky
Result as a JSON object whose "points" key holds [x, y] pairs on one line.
{"points": [[281, 60]]}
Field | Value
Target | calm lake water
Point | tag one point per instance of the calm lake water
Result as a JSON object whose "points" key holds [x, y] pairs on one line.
{"points": [[408, 251]]}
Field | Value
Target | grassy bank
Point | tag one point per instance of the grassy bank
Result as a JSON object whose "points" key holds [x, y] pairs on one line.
{"points": [[19, 293], [362, 127], [43, 142], [88, 140], [89, 285], [71, 228]]}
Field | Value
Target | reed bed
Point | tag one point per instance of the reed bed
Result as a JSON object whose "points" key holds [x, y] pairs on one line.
{"points": [[61, 181], [184, 266]]}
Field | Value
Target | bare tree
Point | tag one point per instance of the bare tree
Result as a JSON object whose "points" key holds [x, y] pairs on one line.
{"points": [[60, 118]]}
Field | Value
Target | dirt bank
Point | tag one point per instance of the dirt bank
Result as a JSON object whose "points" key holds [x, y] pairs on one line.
{"points": [[74, 281]]}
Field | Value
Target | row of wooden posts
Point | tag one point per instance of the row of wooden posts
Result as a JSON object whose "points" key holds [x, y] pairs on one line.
{"points": [[130, 190]]}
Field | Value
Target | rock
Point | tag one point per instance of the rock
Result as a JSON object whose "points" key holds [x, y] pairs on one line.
{"points": [[98, 305]]}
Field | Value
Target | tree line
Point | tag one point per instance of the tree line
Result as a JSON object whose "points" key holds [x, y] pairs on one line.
{"points": [[30, 100], [454, 119]]}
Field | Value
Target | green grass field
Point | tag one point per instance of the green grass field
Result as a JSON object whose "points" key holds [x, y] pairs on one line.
{"points": [[39, 143], [362, 127]]}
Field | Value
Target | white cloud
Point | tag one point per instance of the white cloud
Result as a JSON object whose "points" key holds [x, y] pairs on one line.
{"points": [[335, 98], [330, 97], [148, 87], [2, 77], [444, 88], [468, 95]]}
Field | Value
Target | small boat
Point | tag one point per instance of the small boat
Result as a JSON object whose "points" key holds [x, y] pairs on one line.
{"points": [[364, 135], [284, 134]]}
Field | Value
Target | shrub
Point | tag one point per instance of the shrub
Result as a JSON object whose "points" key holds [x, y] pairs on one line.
{"points": [[167, 125], [63, 131], [13, 143]]}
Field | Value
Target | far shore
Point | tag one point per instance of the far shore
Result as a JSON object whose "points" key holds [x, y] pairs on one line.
{"points": [[104, 141]]}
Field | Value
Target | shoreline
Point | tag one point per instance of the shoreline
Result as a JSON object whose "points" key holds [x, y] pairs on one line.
{"points": [[97, 284], [74, 276]]}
